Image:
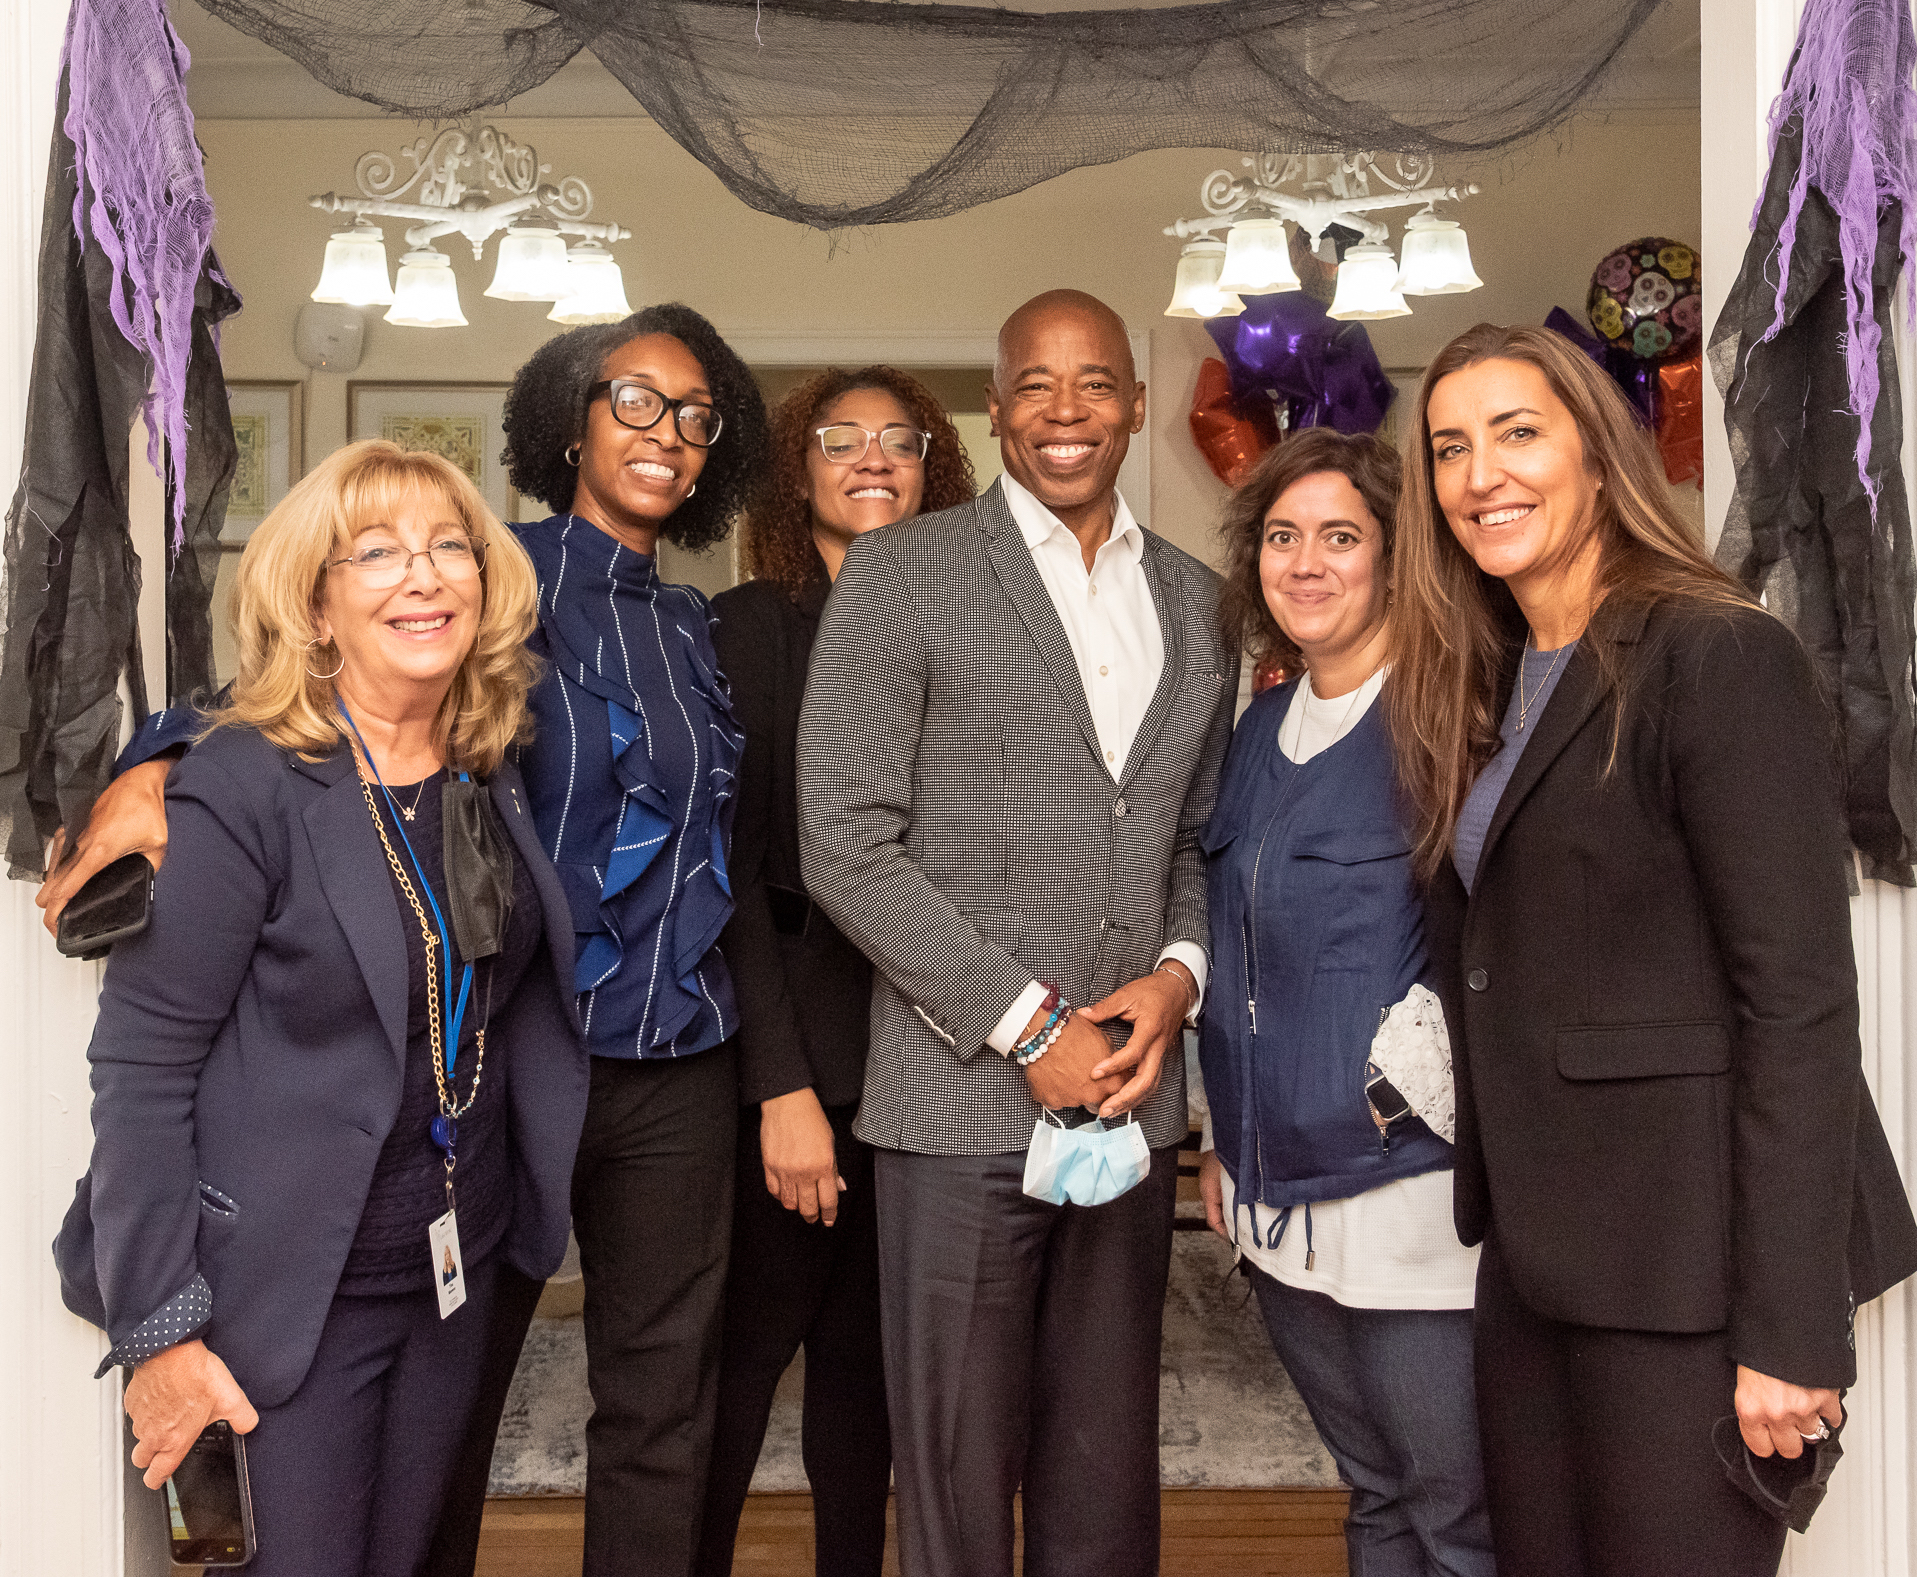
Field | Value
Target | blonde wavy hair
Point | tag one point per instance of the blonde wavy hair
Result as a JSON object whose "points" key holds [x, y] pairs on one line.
{"points": [[282, 575]]}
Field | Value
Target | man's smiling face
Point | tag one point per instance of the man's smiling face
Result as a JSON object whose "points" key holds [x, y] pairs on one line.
{"points": [[1065, 401]]}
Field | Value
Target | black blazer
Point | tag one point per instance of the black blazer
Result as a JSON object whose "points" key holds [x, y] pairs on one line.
{"points": [[804, 991], [1653, 1009], [248, 1061]]}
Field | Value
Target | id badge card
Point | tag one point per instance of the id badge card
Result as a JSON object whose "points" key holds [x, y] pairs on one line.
{"points": [[449, 1270]]}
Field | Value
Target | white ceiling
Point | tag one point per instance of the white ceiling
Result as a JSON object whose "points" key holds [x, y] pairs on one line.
{"points": [[236, 77]]}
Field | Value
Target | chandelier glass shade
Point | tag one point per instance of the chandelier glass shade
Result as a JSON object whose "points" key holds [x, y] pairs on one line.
{"points": [[1325, 195], [1437, 258], [1258, 259], [476, 182], [354, 273], [1196, 293], [427, 296], [1368, 286], [531, 266], [596, 290]]}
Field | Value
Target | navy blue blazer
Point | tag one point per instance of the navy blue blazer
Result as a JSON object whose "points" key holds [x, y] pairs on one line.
{"points": [[247, 1063]]}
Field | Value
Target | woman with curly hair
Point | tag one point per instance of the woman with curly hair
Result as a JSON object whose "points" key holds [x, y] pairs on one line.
{"points": [[632, 431], [851, 451]]}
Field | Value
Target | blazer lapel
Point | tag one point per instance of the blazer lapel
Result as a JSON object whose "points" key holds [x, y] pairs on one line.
{"points": [[509, 799], [1011, 561], [1571, 705], [353, 875], [1172, 630]]}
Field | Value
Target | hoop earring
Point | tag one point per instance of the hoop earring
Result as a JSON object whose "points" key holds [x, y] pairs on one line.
{"points": [[572, 456], [336, 672], [692, 489]]}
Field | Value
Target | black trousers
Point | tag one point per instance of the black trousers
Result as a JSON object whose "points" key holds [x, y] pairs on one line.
{"points": [[349, 1473], [796, 1285], [1597, 1448], [652, 1209], [1021, 1348]]}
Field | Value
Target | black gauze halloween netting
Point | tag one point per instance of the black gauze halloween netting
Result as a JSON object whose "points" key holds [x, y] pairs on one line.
{"points": [[857, 112]]}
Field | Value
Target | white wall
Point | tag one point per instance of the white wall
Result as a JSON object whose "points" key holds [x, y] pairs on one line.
{"points": [[1536, 233]]}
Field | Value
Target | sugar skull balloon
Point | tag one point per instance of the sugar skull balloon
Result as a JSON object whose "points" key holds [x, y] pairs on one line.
{"points": [[1645, 299]]}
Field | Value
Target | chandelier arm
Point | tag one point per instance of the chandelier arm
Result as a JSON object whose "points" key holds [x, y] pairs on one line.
{"points": [[592, 232], [1422, 198]]}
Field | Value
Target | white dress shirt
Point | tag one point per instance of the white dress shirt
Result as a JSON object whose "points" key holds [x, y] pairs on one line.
{"points": [[1112, 624], [1394, 1246]]}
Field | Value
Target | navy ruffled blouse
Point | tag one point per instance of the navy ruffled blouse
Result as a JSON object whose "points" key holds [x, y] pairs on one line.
{"points": [[631, 777]]}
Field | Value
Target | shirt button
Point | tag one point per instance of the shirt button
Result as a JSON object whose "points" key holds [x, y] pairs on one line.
{"points": [[1118, 810], [1103, 671], [1110, 756], [1478, 980], [1094, 588]]}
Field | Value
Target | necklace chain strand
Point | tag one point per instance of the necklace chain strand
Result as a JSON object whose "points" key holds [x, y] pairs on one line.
{"points": [[449, 1105], [1524, 706], [418, 794]]}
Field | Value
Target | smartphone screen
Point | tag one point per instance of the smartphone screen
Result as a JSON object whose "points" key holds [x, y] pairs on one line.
{"points": [[207, 1505]]}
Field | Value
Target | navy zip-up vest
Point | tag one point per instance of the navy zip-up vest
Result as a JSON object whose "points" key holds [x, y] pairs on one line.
{"points": [[1316, 930]]}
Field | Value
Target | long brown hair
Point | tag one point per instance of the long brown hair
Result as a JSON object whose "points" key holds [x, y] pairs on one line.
{"points": [[1455, 629], [777, 540], [1367, 463]]}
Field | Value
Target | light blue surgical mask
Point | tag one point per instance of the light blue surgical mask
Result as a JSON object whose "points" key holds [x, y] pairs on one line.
{"points": [[1087, 1165]]}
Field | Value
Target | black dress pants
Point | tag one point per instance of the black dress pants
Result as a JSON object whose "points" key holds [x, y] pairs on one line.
{"points": [[652, 1209], [794, 1284], [1021, 1349], [1597, 1448]]}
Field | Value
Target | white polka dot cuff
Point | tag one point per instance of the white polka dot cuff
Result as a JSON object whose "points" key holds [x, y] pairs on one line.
{"points": [[179, 1319]]}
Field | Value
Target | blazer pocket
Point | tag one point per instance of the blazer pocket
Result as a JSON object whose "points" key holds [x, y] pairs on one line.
{"points": [[1643, 1051], [215, 1203]]}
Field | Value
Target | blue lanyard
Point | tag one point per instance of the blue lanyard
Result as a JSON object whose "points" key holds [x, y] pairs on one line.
{"points": [[445, 939]]}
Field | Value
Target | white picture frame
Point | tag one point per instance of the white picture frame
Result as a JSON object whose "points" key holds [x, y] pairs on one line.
{"points": [[465, 422], [269, 433]]}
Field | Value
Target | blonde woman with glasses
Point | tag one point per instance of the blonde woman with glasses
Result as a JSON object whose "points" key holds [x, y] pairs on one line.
{"points": [[338, 1084]]}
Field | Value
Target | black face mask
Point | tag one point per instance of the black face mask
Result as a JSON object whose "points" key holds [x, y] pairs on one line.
{"points": [[479, 869], [1787, 1488]]}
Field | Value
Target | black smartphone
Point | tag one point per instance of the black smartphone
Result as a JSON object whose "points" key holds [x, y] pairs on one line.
{"points": [[115, 902], [209, 1506]]}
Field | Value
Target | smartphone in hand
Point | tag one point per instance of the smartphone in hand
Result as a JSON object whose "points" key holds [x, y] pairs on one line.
{"points": [[115, 902], [209, 1505]]}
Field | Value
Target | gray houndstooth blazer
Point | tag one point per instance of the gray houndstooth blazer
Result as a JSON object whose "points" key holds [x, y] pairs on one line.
{"points": [[958, 823]]}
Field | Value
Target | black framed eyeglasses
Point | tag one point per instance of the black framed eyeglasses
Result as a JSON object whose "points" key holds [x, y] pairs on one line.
{"points": [[640, 406], [846, 443]]}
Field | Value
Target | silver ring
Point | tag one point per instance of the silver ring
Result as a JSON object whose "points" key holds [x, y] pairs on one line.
{"points": [[1823, 1432]]}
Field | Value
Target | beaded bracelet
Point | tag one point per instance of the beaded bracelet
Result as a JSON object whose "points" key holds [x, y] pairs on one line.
{"points": [[1034, 1046]]}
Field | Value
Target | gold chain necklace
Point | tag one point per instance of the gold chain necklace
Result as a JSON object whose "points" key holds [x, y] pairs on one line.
{"points": [[449, 1106]]}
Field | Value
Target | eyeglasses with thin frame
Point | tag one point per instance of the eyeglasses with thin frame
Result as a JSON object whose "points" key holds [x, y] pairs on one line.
{"points": [[383, 564], [640, 406], [847, 443]]}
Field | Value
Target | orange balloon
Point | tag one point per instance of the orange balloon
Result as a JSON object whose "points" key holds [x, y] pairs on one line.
{"points": [[1680, 418], [1230, 441]]}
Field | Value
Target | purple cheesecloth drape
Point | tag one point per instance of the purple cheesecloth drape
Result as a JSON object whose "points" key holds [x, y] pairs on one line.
{"points": [[1820, 523], [129, 297]]}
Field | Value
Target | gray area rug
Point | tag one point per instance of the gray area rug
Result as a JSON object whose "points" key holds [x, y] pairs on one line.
{"points": [[1228, 1416]]}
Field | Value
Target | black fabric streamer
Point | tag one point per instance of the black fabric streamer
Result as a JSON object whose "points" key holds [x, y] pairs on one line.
{"points": [[72, 577], [1800, 529], [854, 112]]}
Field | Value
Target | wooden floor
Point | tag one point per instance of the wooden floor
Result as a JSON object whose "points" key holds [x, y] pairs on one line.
{"points": [[1213, 1532]]}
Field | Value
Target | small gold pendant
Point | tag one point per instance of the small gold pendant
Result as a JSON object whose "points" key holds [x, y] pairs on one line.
{"points": [[406, 813]]}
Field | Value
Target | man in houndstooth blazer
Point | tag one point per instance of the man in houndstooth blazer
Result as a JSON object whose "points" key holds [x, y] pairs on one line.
{"points": [[1009, 747]]}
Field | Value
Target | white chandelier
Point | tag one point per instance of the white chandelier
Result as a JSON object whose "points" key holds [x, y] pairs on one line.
{"points": [[583, 283], [1331, 189]]}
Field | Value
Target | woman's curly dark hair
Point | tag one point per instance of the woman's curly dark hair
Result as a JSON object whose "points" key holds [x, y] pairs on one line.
{"points": [[546, 415], [1367, 463], [777, 539]]}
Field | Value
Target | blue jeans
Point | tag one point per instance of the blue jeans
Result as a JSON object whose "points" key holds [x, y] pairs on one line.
{"points": [[1391, 1393]]}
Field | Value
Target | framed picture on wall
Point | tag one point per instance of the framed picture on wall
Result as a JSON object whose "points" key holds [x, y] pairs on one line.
{"points": [[464, 422], [269, 430]]}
